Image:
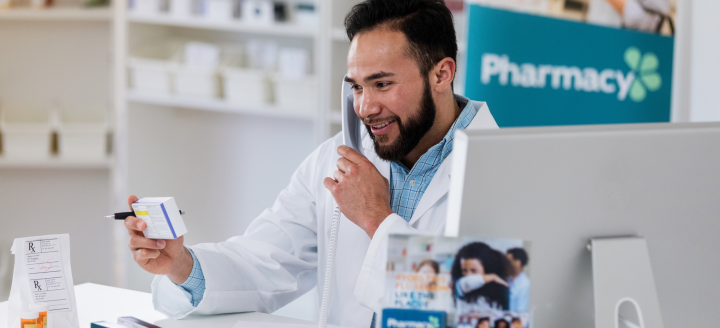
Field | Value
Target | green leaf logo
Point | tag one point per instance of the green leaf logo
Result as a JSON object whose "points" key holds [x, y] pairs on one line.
{"points": [[434, 321], [645, 69]]}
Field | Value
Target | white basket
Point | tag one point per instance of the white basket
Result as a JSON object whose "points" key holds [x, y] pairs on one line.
{"points": [[247, 87], [218, 10], [197, 82], [241, 85], [83, 141], [26, 140], [26, 130], [145, 7], [181, 9], [296, 95], [152, 67]]}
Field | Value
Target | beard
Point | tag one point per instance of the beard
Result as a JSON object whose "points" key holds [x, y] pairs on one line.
{"points": [[410, 132]]}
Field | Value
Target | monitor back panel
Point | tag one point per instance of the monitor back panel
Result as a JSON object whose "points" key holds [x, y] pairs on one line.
{"points": [[558, 187]]}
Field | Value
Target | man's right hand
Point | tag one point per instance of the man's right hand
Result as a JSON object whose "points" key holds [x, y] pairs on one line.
{"points": [[158, 256]]}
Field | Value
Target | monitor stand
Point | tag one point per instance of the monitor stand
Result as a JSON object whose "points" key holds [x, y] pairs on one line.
{"points": [[622, 273]]}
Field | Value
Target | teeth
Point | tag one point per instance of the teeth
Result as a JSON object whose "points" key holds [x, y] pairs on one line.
{"points": [[381, 125]]}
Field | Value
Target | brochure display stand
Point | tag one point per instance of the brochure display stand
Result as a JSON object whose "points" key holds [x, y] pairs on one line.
{"points": [[622, 273]]}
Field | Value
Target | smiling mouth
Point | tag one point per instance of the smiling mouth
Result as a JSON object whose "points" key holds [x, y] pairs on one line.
{"points": [[381, 125]]}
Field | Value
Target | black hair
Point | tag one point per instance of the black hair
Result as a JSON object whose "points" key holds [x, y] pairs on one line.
{"points": [[499, 321], [493, 262], [481, 320], [519, 254], [427, 25]]}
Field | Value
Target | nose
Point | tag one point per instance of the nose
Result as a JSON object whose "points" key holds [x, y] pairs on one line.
{"points": [[366, 105]]}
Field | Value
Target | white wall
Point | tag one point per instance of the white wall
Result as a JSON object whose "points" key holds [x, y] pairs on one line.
{"points": [[36, 202], [704, 62]]}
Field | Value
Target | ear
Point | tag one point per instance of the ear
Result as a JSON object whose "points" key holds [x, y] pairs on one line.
{"points": [[442, 75]]}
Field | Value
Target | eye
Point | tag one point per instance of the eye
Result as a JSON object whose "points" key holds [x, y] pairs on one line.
{"points": [[356, 87], [382, 84]]}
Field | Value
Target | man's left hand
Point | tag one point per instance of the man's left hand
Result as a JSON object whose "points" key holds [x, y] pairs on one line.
{"points": [[361, 192]]}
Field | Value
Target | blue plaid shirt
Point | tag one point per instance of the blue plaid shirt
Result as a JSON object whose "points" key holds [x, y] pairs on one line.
{"points": [[407, 187]]}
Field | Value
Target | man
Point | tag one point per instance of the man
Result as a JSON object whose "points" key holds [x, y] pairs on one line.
{"points": [[401, 66], [519, 281]]}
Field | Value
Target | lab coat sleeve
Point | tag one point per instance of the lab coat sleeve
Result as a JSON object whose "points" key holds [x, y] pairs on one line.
{"points": [[272, 264], [370, 287]]}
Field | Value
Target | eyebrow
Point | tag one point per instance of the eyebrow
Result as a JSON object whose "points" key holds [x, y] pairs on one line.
{"points": [[373, 76]]}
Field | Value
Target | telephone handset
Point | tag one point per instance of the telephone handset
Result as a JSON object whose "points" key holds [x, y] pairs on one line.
{"points": [[351, 124], [351, 137]]}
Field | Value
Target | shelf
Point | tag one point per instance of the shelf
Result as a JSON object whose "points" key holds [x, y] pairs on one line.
{"points": [[339, 34], [54, 163], [57, 14], [215, 105], [283, 29]]}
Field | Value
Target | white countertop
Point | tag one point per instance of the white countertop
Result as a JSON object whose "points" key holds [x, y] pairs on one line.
{"points": [[104, 303]]}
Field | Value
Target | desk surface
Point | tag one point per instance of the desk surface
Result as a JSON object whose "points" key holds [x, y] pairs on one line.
{"points": [[104, 303]]}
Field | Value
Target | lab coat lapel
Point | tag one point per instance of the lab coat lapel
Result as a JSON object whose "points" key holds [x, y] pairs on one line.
{"points": [[438, 187], [369, 151]]}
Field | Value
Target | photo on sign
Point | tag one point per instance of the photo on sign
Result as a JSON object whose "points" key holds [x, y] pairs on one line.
{"points": [[650, 16], [476, 282]]}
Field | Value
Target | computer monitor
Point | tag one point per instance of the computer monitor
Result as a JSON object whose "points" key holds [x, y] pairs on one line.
{"points": [[557, 187]]}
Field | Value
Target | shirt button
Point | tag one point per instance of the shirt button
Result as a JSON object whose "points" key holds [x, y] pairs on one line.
{"points": [[412, 183]]}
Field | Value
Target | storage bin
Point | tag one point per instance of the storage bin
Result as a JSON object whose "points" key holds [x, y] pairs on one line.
{"points": [[197, 82], [296, 95], [181, 9], [83, 133], [146, 7], [26, 131], [197, 74], [151, 67], [241, 85], [218, 10]]}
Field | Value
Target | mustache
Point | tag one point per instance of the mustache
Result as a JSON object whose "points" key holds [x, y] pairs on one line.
{"points": [[371, 121]]}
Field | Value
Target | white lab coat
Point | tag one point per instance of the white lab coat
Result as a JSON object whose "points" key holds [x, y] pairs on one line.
{"points": [[277, 259]]}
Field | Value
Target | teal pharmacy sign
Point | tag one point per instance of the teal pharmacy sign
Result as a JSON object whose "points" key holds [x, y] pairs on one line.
{"points": [[534, 70]]}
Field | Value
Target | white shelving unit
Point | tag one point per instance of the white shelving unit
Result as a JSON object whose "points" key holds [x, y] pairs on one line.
{"points": [[283, 29], [67, 13], [217, 105], [321, 37], [56, 163], [25, 37]]}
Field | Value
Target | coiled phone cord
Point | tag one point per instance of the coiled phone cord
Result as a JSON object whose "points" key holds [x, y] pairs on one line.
{"points": [[330, 268]]}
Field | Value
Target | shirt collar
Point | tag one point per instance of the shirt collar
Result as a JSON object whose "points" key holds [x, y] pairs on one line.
{"points": [[446, 144]]}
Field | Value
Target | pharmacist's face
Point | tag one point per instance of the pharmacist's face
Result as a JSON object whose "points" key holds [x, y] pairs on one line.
{"points": [[471, 266], [391, 96]]}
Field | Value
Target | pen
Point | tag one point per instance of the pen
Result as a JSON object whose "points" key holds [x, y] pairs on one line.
{"points": [[124, 215]]}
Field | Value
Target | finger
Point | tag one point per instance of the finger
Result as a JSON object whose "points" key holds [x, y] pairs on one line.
{"points": [[344, 164], [351, 154], [145, 254], [330, 184], [131, 200], [338, 176], [134, 224], [137, 242]]}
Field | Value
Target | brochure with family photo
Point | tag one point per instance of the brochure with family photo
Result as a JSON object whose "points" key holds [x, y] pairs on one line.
{"points": [[475, 282]]}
